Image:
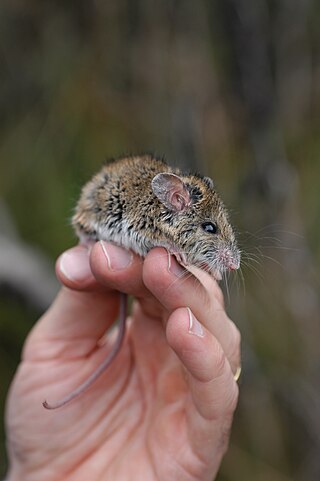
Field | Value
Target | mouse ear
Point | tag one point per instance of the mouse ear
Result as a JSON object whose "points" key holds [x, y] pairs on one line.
{"points": [[171, 191]]}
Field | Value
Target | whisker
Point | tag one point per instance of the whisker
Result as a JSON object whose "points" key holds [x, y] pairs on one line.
{"points": [[264, 256], [182, 278], [225, 280], [240, 273], [252, 258], [253, 269], [294, 249]]}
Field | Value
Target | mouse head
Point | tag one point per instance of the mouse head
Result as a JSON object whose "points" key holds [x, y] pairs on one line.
{"points": [[197, 222]]}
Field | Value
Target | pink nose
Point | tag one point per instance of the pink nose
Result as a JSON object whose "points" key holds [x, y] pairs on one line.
{"points": [[230, 259], [232, 262], [233, 266]]}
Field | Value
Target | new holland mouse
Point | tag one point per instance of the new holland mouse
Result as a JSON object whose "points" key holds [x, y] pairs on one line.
{"points": [[140, 202]]}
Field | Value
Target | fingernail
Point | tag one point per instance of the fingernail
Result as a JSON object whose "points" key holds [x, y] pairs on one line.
{"points": [[117, 257], [194, 325], [174, 267], [74, 264]]}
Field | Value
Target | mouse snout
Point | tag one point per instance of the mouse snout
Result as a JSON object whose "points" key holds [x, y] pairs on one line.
{"points": [[230, 258], [232, 266]]}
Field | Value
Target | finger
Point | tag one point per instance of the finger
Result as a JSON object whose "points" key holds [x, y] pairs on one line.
{"points": [[214, 392], [73, 269], [208, 282], [120, 269], [117, 268], [175, 287], [73, 325]]}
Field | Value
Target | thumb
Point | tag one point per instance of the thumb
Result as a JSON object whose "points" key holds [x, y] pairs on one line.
{"points": [[77, 319]]}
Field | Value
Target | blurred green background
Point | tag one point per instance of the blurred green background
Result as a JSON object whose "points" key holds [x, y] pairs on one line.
{"points": [[230, 88]]}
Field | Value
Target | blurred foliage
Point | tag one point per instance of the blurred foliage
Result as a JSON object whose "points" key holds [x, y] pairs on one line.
{"points": [[227, 87]]}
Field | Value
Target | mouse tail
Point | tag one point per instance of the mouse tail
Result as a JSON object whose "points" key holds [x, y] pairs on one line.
{"points": [[103, 366]]}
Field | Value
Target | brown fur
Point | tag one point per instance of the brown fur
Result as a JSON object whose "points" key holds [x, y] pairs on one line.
{"points": [[119, 205]]}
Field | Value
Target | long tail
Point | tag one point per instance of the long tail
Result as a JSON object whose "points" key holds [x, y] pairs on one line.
{"points": [[103, 366]]}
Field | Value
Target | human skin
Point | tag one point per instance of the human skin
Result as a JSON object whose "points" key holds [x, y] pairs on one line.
{"points": [[164, 408]]}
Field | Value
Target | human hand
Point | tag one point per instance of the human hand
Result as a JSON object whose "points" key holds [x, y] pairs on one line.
{"points": [[162, 411]]}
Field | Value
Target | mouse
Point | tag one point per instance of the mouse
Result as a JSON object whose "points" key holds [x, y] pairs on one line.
{"points": [[139, 202]]}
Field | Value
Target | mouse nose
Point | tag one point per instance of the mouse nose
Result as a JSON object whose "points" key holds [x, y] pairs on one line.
{"points": [[230, 259], [232, 266]]}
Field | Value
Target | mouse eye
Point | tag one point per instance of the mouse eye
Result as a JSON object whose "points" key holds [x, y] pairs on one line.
{"points": [[209, 227]]}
